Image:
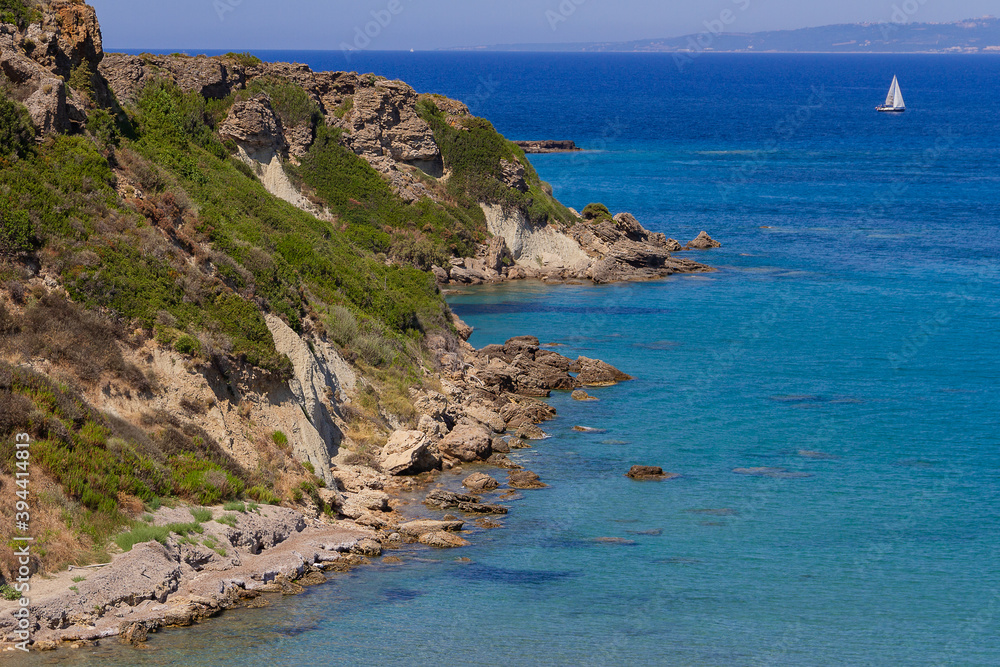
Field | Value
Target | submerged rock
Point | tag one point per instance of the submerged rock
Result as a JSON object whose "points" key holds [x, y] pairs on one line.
{"points": [[649, 472]]}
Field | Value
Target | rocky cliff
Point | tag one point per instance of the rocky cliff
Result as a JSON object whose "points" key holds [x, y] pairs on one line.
{"points": [[218, 290]]}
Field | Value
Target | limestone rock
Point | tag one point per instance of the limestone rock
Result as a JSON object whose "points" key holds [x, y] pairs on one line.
{"points": [[68, 36], [444, 499], [649, 472], [481, 508], [468, 441], [524, 479], [480, 482], [44, 94], [442, 540], [384, 122], [596, 373], [498, 255], [512, 174], [581, 395], [422, 526], [704, 242], [254, 125], [406, 451]]}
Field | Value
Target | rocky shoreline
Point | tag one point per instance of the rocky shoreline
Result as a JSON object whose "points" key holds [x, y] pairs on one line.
{"points": [[618, 249], [490, 407]]}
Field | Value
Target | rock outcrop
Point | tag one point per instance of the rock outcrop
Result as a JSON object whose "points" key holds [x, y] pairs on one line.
{"points": [[520, 366], [38, 59], [704, 242]]}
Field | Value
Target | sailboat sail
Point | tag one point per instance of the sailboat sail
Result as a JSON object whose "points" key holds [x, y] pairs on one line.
{"points": [[897, 98], [891, 97]]}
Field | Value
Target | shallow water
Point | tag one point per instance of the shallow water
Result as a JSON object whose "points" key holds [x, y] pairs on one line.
{"points": [[847, 345]]}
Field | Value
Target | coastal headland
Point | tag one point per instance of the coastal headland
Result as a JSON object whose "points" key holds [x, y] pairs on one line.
{"points": [[222, 329]]}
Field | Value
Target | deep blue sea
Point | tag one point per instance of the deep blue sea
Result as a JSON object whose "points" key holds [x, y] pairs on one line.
{"points": [[849, 338]]}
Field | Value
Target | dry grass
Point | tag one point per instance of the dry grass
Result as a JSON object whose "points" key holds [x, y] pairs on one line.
{"points": [[53, 521]]}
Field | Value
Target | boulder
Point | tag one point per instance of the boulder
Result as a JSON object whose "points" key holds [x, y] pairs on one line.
{"points": [[581, 395], [406, 451], [479, 481], [524, 479], [649, 472], [704, 242], [501, 461], [673, 245], [468, 441], [528, 432], [596, 373], [440, 275], [442, 540]]}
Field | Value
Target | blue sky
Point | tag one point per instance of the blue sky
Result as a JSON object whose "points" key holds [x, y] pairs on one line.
{"points": [[432, 24]]}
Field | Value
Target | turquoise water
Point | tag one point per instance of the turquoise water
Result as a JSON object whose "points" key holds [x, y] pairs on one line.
{"points": [[849, 338]]}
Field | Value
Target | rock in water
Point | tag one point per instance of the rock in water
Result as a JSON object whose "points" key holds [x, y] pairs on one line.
{"points": [[704, 242], [421, 526], [480, 482], [442, 540], [649, 472], [596, 373], [581, 395], [524, 479], [445, 499]]}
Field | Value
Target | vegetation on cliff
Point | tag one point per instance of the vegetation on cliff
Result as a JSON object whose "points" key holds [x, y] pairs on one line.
{"points": [[140, 228]]}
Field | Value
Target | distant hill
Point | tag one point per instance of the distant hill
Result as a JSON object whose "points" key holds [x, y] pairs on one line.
{"points": [[980, 35]]}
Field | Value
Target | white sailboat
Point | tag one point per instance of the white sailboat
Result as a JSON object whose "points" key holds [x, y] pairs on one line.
{"points": [[894, 100]]}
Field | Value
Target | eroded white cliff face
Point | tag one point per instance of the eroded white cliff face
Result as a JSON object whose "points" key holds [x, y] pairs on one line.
{"points": [[533, 246]]}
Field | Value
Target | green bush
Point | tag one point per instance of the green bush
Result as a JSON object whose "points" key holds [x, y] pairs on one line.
{"points": [[140, 534], [201, 514], [596, 212], [188, 345], [280, 439], [263, 495], [228, 520], [7, 592], [288, 99], [18, 12], [17, 133], [235, 506], [246, 59]]}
